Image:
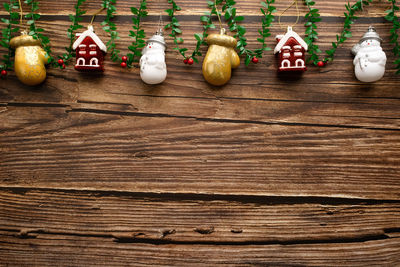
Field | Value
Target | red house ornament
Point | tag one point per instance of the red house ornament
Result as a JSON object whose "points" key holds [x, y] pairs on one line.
{"points": [[90, 51], [291, 48]]}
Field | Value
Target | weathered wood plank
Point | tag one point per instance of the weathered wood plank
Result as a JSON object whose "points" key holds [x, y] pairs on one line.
{"points": [[68, 148], [64, 250], [175, 218]]}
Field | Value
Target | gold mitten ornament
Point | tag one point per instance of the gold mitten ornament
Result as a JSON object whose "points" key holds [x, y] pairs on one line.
{"points": [[221, 58], [30, 59]]}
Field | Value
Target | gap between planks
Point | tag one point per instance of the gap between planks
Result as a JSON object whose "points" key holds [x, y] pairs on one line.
{"points": [[266, 199], [33, 233]]}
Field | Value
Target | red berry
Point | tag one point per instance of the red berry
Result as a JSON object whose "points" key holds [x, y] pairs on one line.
{"points": [[255, 60], [63, 66], [123, 64], [321, 63], [124, 58], [186, 61], [3, 73], [190, 61], [60, 61]]}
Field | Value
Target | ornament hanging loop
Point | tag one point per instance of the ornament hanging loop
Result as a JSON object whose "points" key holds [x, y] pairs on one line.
{"points": [[219, 18], [160, 26], [294, 3], [95, 14], [21, 18]]}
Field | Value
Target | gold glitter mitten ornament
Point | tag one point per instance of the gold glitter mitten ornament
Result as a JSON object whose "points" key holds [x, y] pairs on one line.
{"points": [[221, 58], [30, 59]]}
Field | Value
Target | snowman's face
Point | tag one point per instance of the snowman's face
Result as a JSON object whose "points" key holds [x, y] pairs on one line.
{"points": [[370, 43], [154, 46]]}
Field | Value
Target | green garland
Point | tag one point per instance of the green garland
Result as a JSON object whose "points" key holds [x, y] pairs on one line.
{"points": [[75, 19], [7, 62], [346, 33], [392, 17], [230, 15], [137, 34], [312, 17], [36, 32], [200, 37], [232, 19], [111, 28], [311, 34]]}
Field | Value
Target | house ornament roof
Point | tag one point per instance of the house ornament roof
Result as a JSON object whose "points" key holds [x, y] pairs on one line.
{"points": [[290, 33], [89, 32]]}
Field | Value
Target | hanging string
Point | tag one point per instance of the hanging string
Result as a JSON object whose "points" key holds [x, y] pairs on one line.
{"points": [[21, 16], [219, 18], [160, 23], [297, 11], [95, 14]]}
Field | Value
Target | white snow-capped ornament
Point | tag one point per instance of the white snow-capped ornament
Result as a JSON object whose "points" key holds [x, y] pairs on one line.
{"points": [[153, 69], [370, 60]]}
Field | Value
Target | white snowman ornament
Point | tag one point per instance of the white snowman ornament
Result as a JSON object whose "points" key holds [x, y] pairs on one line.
{"points": [[153, 69], [370, 60]]}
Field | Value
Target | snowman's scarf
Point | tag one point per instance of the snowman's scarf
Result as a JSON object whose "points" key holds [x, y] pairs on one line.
{"points": [[362, 59], [368, 49]]}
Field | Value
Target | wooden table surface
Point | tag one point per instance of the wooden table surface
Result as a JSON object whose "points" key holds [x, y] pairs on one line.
{"points": [[103, 170]]}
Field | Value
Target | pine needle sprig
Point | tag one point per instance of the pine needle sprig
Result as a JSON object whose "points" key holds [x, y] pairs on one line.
{"points": [[7, 34], [392, 17], [138, 34]]}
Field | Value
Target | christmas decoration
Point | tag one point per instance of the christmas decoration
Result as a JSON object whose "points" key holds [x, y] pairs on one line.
{"points": [[153, 69], [370, 60], [30, 59], [291, 49], [90, 51], [220, 59]]}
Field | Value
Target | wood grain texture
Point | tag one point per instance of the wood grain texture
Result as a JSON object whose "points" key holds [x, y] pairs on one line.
{"points": [[182, 219], [268, 170], [46, 249], [73, 148]]}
